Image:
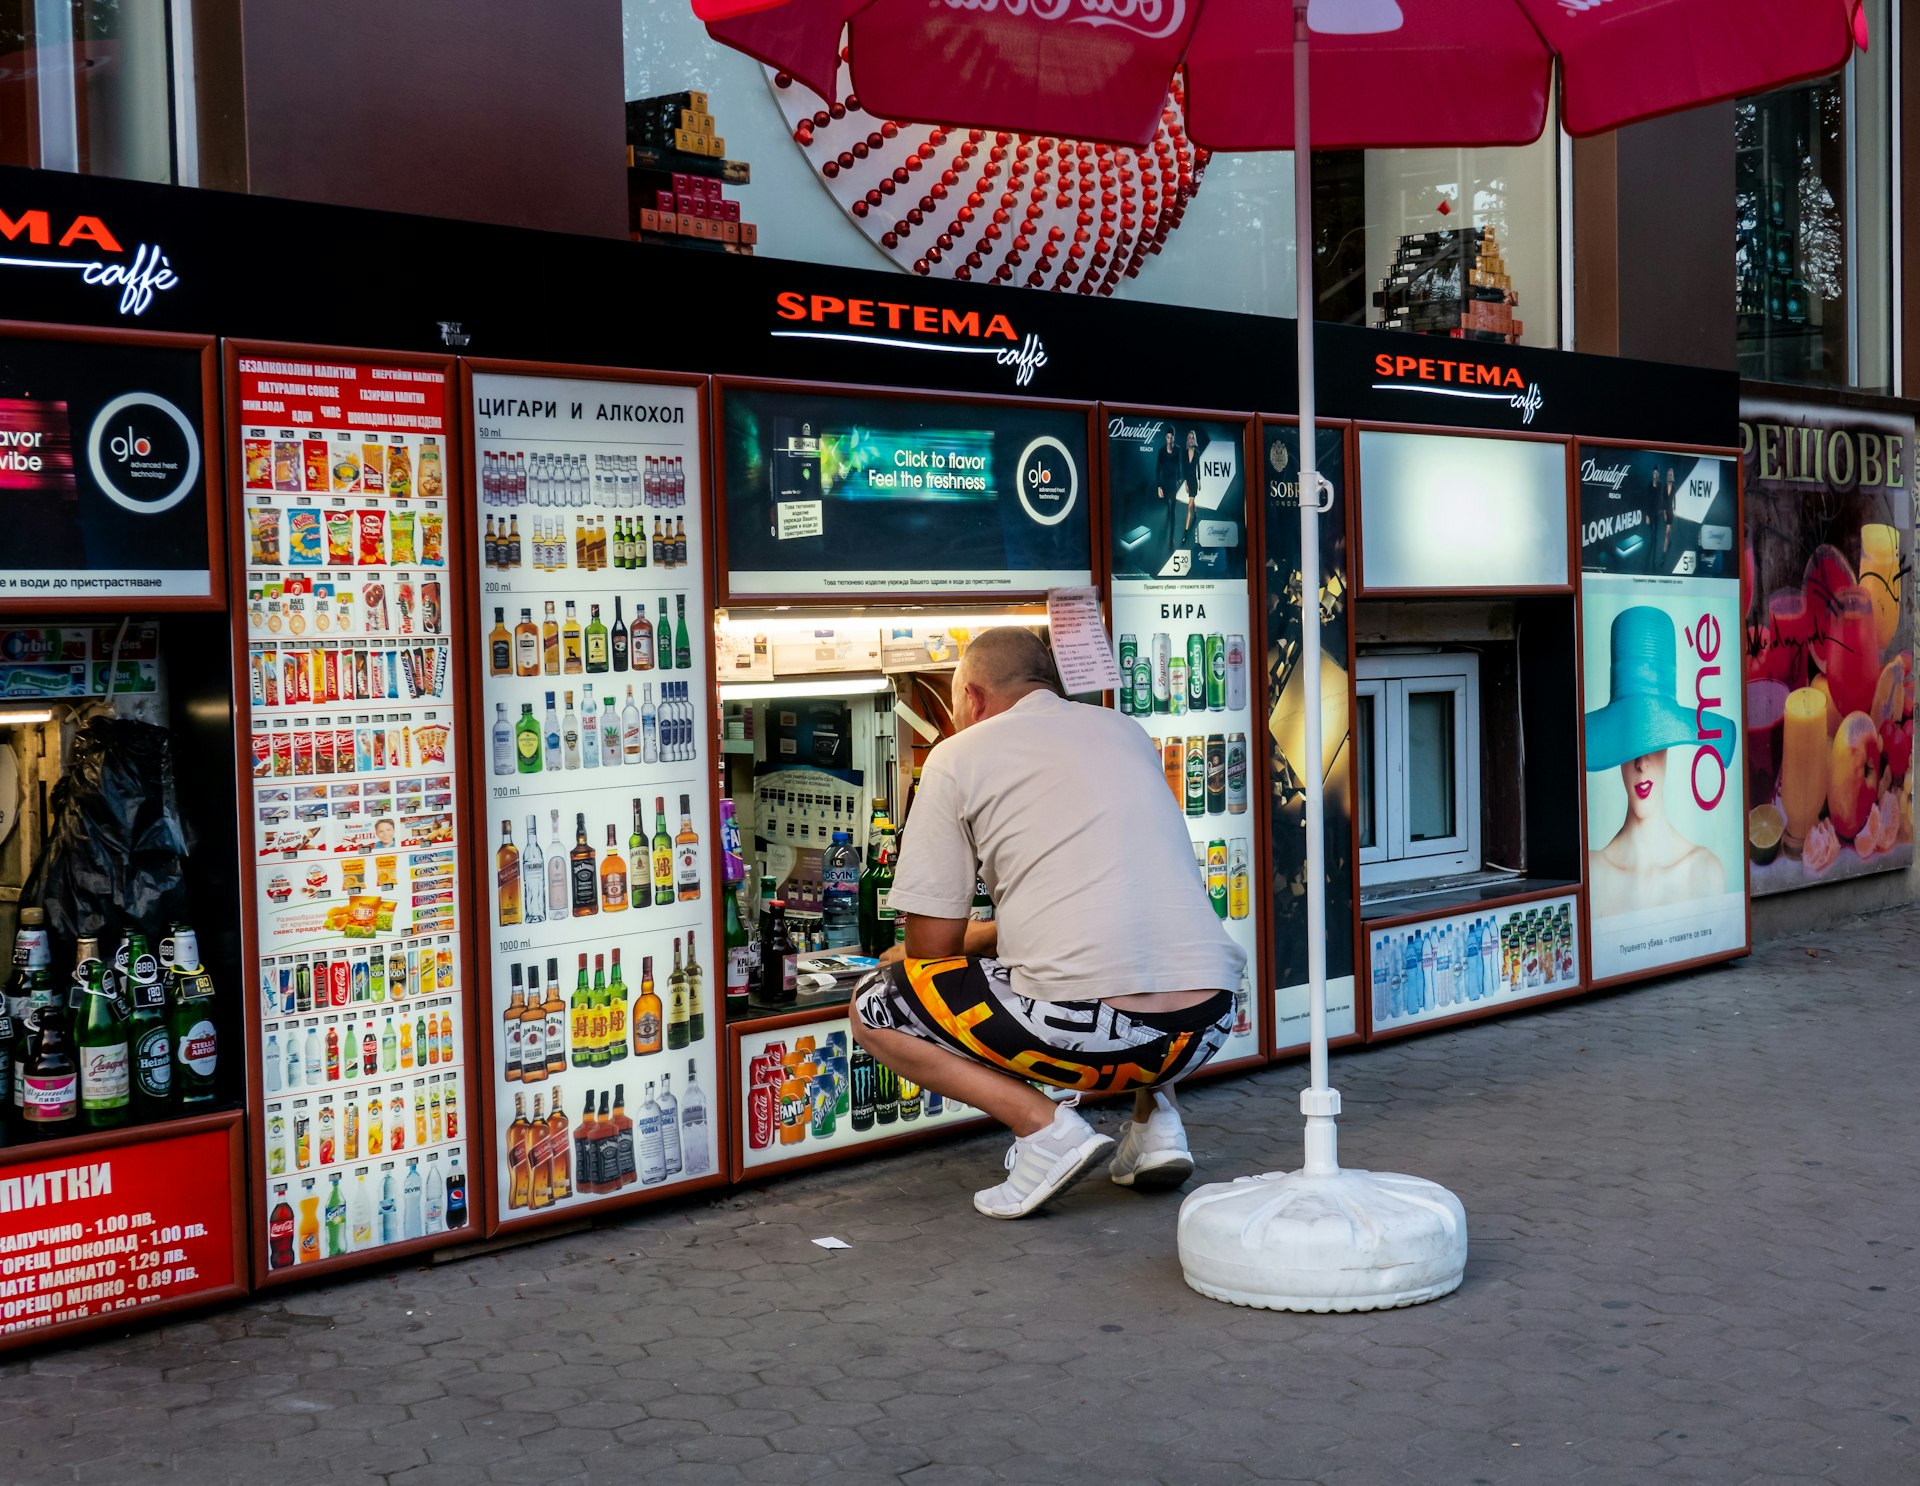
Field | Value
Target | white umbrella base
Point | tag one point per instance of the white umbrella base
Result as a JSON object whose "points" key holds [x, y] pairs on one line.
{"points": [[1338, 1241]]}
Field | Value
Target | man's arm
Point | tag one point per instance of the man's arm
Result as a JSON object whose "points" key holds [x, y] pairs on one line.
{"points": [[939, 938]]}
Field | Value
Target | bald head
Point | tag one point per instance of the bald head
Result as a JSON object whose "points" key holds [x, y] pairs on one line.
{"points": [[1001, 666]]}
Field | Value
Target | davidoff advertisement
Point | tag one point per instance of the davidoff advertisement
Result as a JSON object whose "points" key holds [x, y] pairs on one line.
{"points": [[1829, 642], [1664, 733]]}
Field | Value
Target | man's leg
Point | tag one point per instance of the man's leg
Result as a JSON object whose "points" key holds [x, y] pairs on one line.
{"points": [[1014, 1102], [1143, 1105]]}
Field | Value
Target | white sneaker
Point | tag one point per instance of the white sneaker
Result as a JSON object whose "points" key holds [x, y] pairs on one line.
{"points": [[1044, 1164], [1153, 1156]]}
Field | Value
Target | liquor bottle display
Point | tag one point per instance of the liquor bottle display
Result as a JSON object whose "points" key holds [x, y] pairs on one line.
{"points": [[597, 972], [353, 709]]}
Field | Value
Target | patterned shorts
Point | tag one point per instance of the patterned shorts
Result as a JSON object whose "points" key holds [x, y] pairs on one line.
{"points": [[968, 1006]]}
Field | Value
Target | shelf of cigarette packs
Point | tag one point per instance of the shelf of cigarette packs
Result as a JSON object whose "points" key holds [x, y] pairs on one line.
{"points": [[599, 780], [807, 1090], [1188, 687], [351, 711]]}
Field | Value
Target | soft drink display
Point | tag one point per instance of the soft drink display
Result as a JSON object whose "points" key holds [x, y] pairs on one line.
{"points": [[810, 1088], [1420, 972], [600, 933]]}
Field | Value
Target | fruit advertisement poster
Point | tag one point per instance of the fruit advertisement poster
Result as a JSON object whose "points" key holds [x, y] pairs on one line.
{"points": [[1829, 642], [1663, 731]]}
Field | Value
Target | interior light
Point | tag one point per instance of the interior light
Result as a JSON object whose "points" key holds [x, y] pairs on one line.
{"points": [[24, 716], [760, 691]]}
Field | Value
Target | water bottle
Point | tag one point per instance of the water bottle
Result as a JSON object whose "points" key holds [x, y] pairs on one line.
{"points": [[842, 894]]}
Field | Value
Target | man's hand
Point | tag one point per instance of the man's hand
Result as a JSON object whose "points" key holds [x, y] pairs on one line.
{"points": [[894, 955]]}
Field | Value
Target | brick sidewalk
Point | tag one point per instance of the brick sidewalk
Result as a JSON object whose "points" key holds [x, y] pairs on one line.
{"points": [[1693, 1210]]}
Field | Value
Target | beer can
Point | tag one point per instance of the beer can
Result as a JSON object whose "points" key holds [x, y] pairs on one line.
{"points": [[1217, 877], [1236, 673], [1162, 658], [1177, 686], [1196, 800], [1129, 653], [1216, 673], [1173, 762], [1142, 682], [1236, 773], [760, 1099], [1239, 879], [1216, 774], [1196, 673]]}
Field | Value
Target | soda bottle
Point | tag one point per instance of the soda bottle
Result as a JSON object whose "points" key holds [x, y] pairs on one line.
{"points": [[280, 1229], [191, 1013], [456, 1192], [336, 1220], [106, 1092]]}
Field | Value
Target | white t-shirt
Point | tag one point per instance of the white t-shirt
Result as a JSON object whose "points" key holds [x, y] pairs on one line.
{"points": [[1063, 811]]}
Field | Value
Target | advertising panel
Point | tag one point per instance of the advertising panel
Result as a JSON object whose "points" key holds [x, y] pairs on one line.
{"points": [[830, 492], [1660, 617], [356, 754], [116, 1229], [1447, 512], [1182, 619], [1829, 643], [807, 1089], [592, 573], [103, 471], [1466, 962], [1279, 445]]}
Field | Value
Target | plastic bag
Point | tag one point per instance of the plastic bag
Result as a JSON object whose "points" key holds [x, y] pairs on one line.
{"points": [[117, 857]]}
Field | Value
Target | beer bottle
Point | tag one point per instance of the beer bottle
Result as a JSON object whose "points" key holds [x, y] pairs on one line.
{"points": [[778, 956], [151, 1048], [106, 1093], [734, 941], [195, 1037], [50, 1083], [29, 988], [877, 914]]}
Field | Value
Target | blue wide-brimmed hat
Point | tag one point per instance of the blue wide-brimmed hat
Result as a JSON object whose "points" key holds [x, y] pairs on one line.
{"points": [[1644, 715]]}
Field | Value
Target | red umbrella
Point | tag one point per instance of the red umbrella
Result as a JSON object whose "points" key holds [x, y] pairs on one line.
{"points": [[1388, 73]]}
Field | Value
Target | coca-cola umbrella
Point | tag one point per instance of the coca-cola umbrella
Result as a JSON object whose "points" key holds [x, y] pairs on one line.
{"points": [[1385, 73]]}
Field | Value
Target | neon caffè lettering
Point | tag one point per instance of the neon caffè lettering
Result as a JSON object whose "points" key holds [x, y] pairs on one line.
{"points": [[881, 314]]}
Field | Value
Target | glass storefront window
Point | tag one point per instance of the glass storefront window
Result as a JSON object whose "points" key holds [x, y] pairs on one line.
{"points": [[1813, 262], [87, 85]]}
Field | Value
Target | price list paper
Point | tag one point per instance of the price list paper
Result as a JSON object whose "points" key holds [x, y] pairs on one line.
{"points": [[598, 797], [350, 713], [113, 1230]]}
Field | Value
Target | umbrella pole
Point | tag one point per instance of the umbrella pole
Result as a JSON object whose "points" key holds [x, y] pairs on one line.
{"points": [[1319, 1102], [1318, 1239]]}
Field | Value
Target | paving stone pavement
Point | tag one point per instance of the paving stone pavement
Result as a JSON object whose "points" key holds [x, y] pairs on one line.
{"points": [[1693, 1208]]}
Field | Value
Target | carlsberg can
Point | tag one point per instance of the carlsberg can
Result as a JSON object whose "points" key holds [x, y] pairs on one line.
{"points": [[1196, 673]]}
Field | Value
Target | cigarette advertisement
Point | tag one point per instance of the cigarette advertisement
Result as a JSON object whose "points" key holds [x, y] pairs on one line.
{"points": [[103, 480], [1829, 643], [829, 492], [1664, 730], [1285, 734], [1182, 643]]}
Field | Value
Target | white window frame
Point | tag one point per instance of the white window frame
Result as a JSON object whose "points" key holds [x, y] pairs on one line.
{"points": [[1392, 680]]}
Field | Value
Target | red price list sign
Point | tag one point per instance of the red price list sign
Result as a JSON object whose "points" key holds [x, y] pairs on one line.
{"points": [[87, 1236]]}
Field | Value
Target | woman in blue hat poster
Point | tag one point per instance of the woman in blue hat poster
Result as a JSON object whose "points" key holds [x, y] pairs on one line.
{"points": [[1650, 862]]}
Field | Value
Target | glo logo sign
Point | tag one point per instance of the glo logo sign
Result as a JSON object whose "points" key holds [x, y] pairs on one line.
{"points": [[144, 453], [1048, 480]]}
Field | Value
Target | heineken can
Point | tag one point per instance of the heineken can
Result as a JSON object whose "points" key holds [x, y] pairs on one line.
{"points": [[1196, 775], [1142, 682], [1129, 652], [1236, 773], [1216, 774], [1162, 657], [1216, 673], [1196, 673], [1177, 686]]}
